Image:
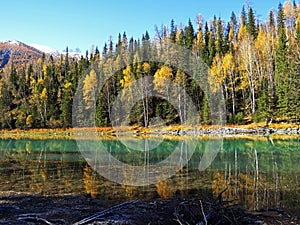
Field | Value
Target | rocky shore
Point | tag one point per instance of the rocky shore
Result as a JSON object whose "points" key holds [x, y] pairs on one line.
{"points": [[226, 131], [157, 131]]}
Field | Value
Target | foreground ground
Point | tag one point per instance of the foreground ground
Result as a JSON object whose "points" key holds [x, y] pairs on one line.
{"points": [[17, 208]]}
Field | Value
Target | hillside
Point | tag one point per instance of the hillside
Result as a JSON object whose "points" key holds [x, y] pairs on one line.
{"points": [[17, 51]]}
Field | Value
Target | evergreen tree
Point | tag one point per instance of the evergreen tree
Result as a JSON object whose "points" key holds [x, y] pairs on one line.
{"points": [[243, 17], [233, 23], [110, 49], [206, 35], [105, 50], [281, 65], [205, 111], [220, 45], [294, 81], [294, 4], [190, 35], [271, 19], [251, 27], [66, 107], [181, 39], [97, 54], [172, 32], [264, 111], [131, 51], [211, 49]]}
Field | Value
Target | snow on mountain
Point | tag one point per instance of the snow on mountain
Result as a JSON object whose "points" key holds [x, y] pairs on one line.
{"points": [[54, 52], [14, 42], [76, 55], [46, 49]]}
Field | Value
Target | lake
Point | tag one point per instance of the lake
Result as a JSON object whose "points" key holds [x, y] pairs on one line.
{"points": [[257, 172]]}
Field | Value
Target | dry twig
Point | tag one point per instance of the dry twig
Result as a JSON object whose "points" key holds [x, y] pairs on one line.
{"points": [[105, 212]]}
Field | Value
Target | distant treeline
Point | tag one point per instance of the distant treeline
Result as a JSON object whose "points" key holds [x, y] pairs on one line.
{"points": [[255, 65]]}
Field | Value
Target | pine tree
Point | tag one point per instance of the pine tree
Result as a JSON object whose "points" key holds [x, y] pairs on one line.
{"points": [[251, 27], [264, 111], [104, 52], [205, 111], [220, 39], [281, 65], [271, 19], [211, 49], [243, 17], [294, 81], [206, 41], [110, 48], [233, 23], [172, 32], [181, 39], [190, 35], [97, 53]]}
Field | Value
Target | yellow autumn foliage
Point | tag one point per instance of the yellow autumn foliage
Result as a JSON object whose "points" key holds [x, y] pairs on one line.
{"points": [[44, 94], [161, 77], [89, 89]]}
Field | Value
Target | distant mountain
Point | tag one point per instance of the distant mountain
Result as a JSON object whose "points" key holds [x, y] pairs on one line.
{"points": [[56, 53], [46, 49], [17, 51], [22, 53]]}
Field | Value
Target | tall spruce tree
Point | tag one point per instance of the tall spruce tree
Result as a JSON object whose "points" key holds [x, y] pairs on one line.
{"points": [[172, 32], [220, 45], [243, 17], [211, 49], [233, 22], [271, 19], [251, 26], [281, 66], [190, 35]]}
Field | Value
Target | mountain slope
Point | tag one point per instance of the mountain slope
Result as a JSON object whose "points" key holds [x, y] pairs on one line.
{"points": [[17, 51]]}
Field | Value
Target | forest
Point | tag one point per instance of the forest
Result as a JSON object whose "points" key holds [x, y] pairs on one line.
{"points": [[254, 64]]}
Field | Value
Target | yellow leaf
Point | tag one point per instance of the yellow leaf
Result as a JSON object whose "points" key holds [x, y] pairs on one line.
{"points": [[43, 95]]}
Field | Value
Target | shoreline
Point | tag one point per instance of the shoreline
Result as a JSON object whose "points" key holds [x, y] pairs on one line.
{"points": [[172, 131]]}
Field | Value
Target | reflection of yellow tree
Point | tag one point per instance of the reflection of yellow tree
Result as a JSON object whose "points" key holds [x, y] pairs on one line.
{"points": [[241, 187], [165, 189], [218, 184], [39, 178], [90, 181], [129, 191]]}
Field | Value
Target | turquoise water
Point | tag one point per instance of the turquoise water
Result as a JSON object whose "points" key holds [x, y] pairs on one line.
{"points": [[259, 173]]}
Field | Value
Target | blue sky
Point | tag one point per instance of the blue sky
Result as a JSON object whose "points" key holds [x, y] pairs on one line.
{"points": [[82, 23]]}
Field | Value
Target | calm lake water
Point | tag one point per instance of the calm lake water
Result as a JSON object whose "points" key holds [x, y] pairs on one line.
{"points": [[259, 173]]}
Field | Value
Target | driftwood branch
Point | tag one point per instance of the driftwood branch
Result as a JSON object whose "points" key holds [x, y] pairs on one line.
{"points": [[202, 211], [105, 212], [34, 218]]}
